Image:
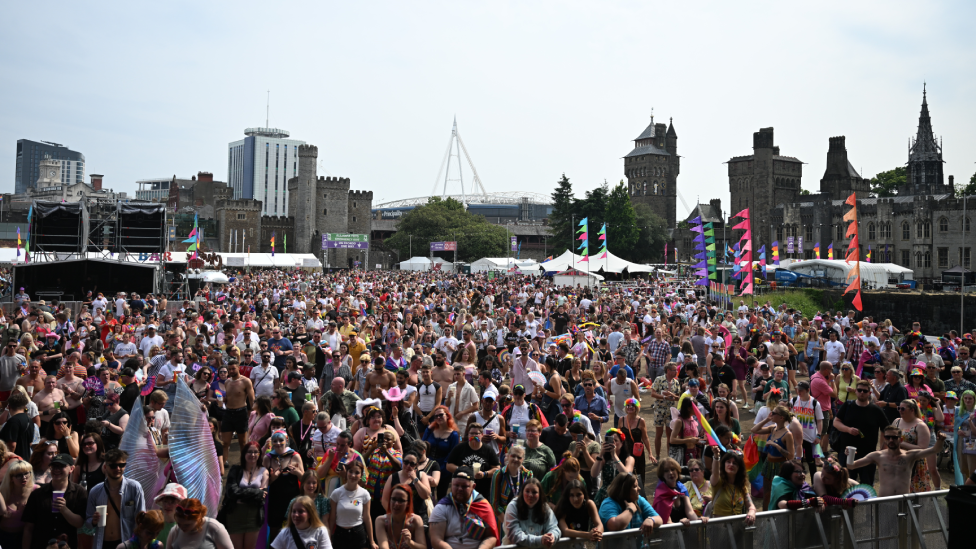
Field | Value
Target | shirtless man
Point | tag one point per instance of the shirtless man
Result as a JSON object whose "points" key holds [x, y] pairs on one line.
{"points": [[379, 378], [49, 401], [240, 395], [442, 373], [33, 380], [895, 464], [73, 388]]}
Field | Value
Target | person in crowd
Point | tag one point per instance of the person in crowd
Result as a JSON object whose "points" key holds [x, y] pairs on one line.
{"points": [[731, 492], [259, 422], [304, 527], [195, 529], [700, 490], [895, 464], [410, 479], [577, 514], [167, 500], [831, 482], [860, 422], [242, 510], [685, 433], [18, 431], [463, 519], [284, 472], [538, 457], [507, 481], [401, 527], [56, 508], [611, 463], [914, 435], [529, 521], [120, 496], [41, 458], [330, 470], [671, 498], [556, 480], [15, 490], [787, 492], [382, 457], [624, 508], [349, 516]]}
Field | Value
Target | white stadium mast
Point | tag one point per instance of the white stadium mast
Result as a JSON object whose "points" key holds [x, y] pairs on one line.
{"points": [[455, 146]]}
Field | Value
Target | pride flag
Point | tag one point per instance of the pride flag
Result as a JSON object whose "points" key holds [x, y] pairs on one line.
{"points": [[830, 251], [816, 250], [709, 432]]}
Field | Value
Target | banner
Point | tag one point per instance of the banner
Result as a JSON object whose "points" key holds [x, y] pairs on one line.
{"points": [[444, 246], [789, 245]]}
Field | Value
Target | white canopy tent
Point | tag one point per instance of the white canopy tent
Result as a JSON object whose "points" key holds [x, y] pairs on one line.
{"points": [[610, 264], [419, 263], [576, 277], [281, 261], [524, 266], [873, 275]]}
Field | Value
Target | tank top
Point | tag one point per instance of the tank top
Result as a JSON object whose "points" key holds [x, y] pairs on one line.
{"points": [[419, 505], [577, 518], [427, 395], [206, 542], [621, 392]]}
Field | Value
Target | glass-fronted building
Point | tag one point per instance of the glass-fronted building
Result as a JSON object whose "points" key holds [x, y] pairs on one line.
{"points": [[29, 156], [260, 165]]}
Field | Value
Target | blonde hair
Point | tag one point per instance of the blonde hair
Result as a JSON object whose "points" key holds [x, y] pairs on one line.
{"points": [[16, 468], [314, 520]]}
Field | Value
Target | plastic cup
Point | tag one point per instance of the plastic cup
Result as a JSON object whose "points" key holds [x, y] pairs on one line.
{"points": [[102, 515], [308, 397], [851, 451], [57, 406], [476, 466], [30, 390], [54, 496]]}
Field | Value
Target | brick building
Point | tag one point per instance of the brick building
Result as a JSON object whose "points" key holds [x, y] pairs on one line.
{"points": [[652, 169]]}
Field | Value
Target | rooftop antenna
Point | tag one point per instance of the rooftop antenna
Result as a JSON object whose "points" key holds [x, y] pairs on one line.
{"points": [[267, 110]]}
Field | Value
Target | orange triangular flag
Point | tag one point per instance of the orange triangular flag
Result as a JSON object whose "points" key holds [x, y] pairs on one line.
{"points": [[851, 229], [854, 243], [856, 285], [857, 301], [851, 215], [851, 200], [855, 272]]}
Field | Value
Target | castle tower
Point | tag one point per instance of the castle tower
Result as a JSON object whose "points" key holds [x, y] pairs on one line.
{"points": [[332, 216], [840, 178], [925, 158], [652, 168], [302, 206]]}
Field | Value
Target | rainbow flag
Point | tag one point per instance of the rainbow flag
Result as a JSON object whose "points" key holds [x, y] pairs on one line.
{"points": [[565, 338], [709, 432], [869, 253], [272, 243], [18, 241], [816, 251], [830, 251]]}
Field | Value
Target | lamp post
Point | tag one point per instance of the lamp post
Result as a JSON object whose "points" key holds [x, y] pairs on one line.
{"points": [[962, 274]]}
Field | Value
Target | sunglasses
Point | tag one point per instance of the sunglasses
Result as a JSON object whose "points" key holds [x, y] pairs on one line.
{"points": [[116, 465], [695, 470], [438, 416], [411, 463], [862, 390]]}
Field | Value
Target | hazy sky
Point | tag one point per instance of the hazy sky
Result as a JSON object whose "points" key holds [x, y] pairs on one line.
{"points": [[539, 88]]}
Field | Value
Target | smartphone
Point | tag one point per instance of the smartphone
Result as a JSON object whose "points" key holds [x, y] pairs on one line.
{"points": [[579, 437], [608, 437]]}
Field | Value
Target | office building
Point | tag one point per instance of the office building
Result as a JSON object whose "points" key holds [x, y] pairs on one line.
{"points": [[260, 165], [153, 190], [28, 165]]}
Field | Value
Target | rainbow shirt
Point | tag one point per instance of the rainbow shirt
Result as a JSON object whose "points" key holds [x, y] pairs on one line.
{"points": [[807, 413]]}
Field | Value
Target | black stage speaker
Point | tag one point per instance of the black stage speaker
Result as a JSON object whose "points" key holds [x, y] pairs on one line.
{"points": [[141, 228], [59, 227]]}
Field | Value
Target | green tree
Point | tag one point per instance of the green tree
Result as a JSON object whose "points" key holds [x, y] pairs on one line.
{"points": [[561, 225], [967, 190], [622, 232], [653, 233], [887, 183], [445, 220]]}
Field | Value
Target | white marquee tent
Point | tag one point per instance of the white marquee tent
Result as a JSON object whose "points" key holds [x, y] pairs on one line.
{"points": [[419, 263], [873, 275], [576, 277], [525, 266], [610, 264]]}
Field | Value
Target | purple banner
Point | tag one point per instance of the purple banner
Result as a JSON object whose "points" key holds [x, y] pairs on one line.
{"points": [[337, 244], [789, 245], [443, 246], [800, 248], [514, 244]]}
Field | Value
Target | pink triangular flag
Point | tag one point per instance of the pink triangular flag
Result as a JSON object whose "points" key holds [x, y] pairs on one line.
{"points": [[744, 214]]}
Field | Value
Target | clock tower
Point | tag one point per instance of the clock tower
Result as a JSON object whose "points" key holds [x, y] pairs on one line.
{"points": [[50, 171]]}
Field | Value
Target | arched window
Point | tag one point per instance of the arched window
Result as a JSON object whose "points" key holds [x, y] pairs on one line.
{"points": [[840, 232], [943, 225], [906, 231], [888, 229], [927, 226], [918, 230], [779, 233], [918, 259], [965, 225], [871, 231], [928, 259], [808, 232]]}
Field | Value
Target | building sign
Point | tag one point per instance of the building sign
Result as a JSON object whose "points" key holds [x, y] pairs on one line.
{"points": [[345, 240], [391, 214], [443, 246]]}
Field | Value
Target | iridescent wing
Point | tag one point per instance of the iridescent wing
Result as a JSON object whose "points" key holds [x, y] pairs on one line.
{"points": [[191, 449], [143, 465]]}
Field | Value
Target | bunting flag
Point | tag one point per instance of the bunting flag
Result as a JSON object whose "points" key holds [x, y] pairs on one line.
{"points": [[830, 250], [869, 254], [702, 266], [18, 241], [775, 248], [194, 237], [762, 259], [286, 243], [272, 243], [710, 251], [603, 237], [853, 253], [816, 251], [745, 247], [583, 232], [30, 214]]}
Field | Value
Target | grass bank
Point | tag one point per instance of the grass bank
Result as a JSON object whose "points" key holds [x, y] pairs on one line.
{"points": [[806, 301]]}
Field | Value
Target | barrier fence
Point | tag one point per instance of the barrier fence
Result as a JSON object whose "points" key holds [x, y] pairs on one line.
{"points": [[915, 521]]}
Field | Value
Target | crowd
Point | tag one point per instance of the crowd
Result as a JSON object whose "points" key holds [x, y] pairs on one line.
{"points": [[404, 410]]}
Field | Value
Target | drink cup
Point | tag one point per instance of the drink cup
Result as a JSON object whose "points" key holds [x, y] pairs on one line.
{"points": [[476, 466], [54, 496], [30, 390], [515, 428], [308, 397], [289, 395], [57, 406], [489, 431], [850, 455], [102, 514]]}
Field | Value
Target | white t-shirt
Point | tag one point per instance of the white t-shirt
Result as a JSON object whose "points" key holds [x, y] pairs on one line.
{"points": [[835, 351], [125, 349], [349, 505], [147, 343], [263, 380], [312, 538], [119, 307], [808, 413]]}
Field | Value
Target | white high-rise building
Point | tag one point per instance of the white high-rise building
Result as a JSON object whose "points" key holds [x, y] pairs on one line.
{"points": [[260, 165]]}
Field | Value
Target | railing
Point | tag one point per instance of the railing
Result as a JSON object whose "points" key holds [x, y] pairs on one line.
{"points": [[915, 521]]}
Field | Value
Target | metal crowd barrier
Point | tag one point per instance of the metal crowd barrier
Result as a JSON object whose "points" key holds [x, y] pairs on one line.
{"points": [[915, 521]]}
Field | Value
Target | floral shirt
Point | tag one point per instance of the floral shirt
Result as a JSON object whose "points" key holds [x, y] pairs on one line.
{"points": [[661, 384]]}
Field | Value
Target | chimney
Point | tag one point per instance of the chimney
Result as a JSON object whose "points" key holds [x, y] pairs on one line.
{"points": [[96, 181], [204, 176]]}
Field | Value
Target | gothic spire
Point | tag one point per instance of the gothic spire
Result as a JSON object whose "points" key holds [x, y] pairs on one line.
{"points": [[925, 147]]}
